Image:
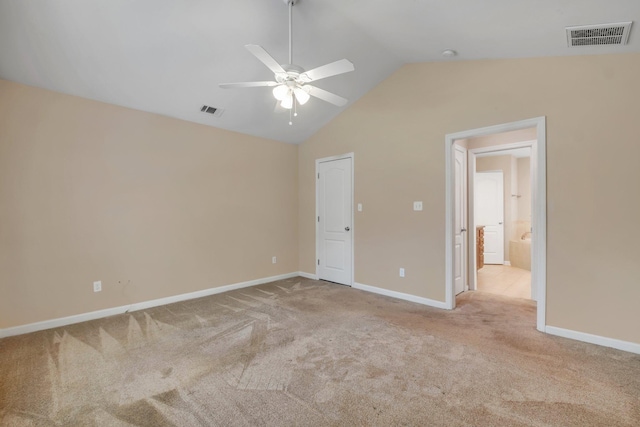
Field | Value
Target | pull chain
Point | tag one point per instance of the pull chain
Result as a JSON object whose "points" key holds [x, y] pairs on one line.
{"points": [[293, 112]]}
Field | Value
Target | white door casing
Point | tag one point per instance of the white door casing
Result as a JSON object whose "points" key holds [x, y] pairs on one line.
{"points": [[460, 220], [334, 192], [489, 212], [538, 208]]}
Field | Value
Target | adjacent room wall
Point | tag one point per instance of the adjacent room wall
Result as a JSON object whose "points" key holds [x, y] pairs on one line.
{"points": [[524, 189], [397, 132], [150, 205]]}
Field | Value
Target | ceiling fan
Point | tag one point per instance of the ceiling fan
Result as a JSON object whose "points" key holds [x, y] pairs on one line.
{"points": [[291, 81]]}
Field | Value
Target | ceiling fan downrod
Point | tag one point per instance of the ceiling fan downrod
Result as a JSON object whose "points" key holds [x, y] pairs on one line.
{"points": [[290, 3]]}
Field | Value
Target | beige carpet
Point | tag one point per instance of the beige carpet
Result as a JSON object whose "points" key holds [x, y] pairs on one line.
{"points": [[308, 353]]}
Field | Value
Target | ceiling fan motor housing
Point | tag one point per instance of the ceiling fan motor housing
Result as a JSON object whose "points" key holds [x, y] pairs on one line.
{"points": [[293, 73]]}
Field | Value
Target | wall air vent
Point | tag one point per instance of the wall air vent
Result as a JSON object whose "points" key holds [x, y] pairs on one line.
{"points": [[216, 112], [597, 35]]}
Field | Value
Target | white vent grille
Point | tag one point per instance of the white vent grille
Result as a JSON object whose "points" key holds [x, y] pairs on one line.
{"points": [[216, 112], [598, 35]]}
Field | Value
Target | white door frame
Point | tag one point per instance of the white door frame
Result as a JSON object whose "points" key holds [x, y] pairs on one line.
{"points": [[353, 236], [538, 210]]}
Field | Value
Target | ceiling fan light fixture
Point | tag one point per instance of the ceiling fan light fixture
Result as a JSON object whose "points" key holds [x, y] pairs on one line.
{"points": [[287, 102], [280, 92], [302, 96], [290, 87]]}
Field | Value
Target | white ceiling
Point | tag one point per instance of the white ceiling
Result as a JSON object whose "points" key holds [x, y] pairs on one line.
{"points": [[168, 56]]}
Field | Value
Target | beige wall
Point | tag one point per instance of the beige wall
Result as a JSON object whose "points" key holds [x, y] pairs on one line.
{"points": [[524, 189], [152, 206], [503, 164], [397, 133]]}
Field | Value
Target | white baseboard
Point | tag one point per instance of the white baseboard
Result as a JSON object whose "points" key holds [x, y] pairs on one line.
{"points": [[63, 321], [594, 339], [507, 263], [400, 295]]}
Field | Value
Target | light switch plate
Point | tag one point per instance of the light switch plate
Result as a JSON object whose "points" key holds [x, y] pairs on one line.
{"points": [[359, 207], [402, 272], [417, 206]]}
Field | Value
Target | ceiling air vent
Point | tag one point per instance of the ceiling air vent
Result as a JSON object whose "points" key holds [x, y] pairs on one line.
{"points": [[217, 112], [597, 35]]}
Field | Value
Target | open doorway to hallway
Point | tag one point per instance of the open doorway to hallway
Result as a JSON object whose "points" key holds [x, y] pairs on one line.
{"points": [[467, 264]]}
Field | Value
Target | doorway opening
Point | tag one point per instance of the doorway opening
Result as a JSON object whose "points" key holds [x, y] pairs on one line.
{"points": [[480, 148], [501, 204]]}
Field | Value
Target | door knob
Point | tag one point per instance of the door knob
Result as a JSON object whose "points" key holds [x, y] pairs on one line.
{"points": [[499, 223], [347, 229], [462, 230]]}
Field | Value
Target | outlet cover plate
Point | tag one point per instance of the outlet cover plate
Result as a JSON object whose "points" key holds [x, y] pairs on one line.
{"points": [[97, 286], [417, 206]]}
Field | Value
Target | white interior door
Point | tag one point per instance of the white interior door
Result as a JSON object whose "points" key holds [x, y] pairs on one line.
{"points": [[489, 211], [460, 220], [334, 220]]}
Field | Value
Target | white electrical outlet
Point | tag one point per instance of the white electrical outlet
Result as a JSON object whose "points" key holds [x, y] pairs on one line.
{"points": [[417, 206], [97, 286], [274, 260], [402, 272]]}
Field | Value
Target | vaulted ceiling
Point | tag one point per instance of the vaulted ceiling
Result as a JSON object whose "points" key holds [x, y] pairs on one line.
{"points": [[168, 57]]}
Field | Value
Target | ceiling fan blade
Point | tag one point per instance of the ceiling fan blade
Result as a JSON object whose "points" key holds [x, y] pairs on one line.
{"points": [[326, 96], [265, 58], [332, 69], [247, 84]]}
